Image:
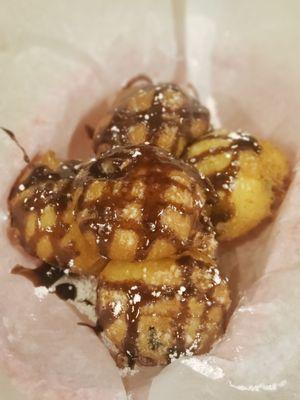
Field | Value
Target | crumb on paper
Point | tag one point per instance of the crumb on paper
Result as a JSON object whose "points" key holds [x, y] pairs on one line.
{"points": [[41, 292], [128, 371]]}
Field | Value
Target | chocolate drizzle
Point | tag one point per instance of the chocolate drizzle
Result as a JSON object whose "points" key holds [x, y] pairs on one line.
{"points": [[140, 294], [137, 79], [134, 180], [238, 141], [152, 168], [12, 136], [132, 319], [154, 119], [187, 264], [66, 291], [38, 187], [47, 275], [224, 179], [49, 187], [44, 275], [140, 179]]}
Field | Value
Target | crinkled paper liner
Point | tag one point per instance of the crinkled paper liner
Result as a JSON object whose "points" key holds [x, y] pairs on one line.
{"points": [[59, 61]]}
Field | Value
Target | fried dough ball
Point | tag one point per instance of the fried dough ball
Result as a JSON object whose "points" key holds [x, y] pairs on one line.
{"points": [[132, 204], [41, 207], [249, 175], [153, 311], [162, 115], [137, 203]]}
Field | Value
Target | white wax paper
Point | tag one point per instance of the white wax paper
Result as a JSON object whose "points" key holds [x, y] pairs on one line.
{"points": [[59, 61]]}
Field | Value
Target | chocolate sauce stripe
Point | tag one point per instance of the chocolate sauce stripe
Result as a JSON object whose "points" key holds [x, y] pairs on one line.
{"points": [[221, 180], [180, 347], [44, 275], [47, 275], [152, 205], [184, 311], [107, 195], [148, 294], [123, 120]]}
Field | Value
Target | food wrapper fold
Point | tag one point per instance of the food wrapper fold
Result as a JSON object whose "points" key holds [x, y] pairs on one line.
{"points": [[59, 63]]}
